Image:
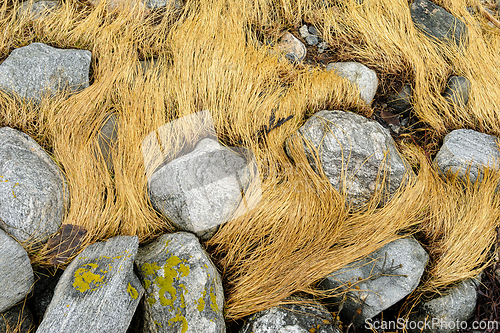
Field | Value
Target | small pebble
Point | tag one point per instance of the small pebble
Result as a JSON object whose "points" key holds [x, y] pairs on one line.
{"points": [[313, 30], [311, 40]]}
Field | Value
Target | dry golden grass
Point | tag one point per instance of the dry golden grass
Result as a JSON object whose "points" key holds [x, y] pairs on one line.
{"points": [[209, 59]]}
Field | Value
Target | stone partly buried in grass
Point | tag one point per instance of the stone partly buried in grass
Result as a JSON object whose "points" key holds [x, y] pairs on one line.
{"points": [[33, 191], [183, 288], [364, 78], [379, 281], [352, 151], [98, 292]]}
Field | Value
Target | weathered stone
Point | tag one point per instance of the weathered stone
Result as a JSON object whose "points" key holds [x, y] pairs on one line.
{"points": [[43, 290], [200, 190], [385, 277], [443, 313], [292, 318], [107, 138], [401, 100], [351, 151], [457, 90], [467, 153], [361, 76], [161, 4], [437, 23], [37, 9], [17, 319], [38, 69], [294, 49], [16, 274], [147, 5], [313, 30], [33, 191], [183, 288], [98, 292]]}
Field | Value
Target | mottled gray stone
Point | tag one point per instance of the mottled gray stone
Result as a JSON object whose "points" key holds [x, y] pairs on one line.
{"points": [[200, 190], [291, 318], [183, 288], [457, 90], [33, 191], [98, 292], [294, 49], [351, 151], [38, 69], [467, 152], [313, 30], [311, 39], [158, 4], [385, 277], [437, 23], [401, 100], [361, 76], [303, 31], [16, 320], [107, 138], [16, 274], [442, 313], [37, 9]]}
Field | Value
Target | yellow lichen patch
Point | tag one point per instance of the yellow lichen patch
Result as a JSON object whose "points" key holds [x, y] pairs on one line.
{"points": [[213, 299], [201, 301], [147, 283], [158, 324], [151, 301], [132, 291], [179, 318], [184, 269], [84, 278], [150, 269]]}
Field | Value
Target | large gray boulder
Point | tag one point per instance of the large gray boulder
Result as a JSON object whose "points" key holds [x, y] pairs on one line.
{"points": [[352, 147], [291, 318], [441, 314], [437, 23], [361, 76], [202, 189], [37, 69], [98, 292], [377, 282], [16, 274], [467, 153], [183, 288], [33, 192]]}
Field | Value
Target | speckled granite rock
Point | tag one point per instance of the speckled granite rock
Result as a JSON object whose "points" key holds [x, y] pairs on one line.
{"points": [[183, 288], [38, 69], [98, 292], [385, 277], [292, 47], [361, 76], [16, 274], [33, 192], [16, 320], [351, 146], [467, 152], [291, 319]]}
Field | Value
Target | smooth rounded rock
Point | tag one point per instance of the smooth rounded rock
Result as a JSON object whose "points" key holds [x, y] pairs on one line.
{"points": [[294, 49], [361, 76]]}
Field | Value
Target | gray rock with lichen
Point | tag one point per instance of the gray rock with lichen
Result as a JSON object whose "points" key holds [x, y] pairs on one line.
{"points": [[467, 153], [379, 281], [292, 318], [98, 292], [37, 69], [364, 78], [33, 192], [352, 152], [183, 288], [16, 274]]}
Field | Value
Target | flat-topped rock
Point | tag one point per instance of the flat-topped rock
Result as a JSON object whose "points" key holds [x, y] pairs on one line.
{"points": [[37, 69], [383, 278], [98, 292], [467, 153], [351, 152], [361, 76], [33, 191], [183, 288], [16, 274]]}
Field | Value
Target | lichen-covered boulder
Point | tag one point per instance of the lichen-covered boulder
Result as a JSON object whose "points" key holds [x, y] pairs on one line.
{"points": [[361, 76], [467, 153], [200, 190], [292, 318], [352, 152], [183, 288], [33, 191], [98, 292], [16, 274], [37, 69], [442, 313], [379, 281]]}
